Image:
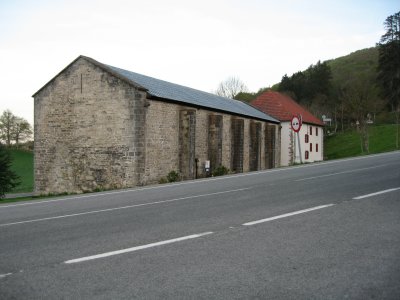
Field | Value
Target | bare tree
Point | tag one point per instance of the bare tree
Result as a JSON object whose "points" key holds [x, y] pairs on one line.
{"points": [[231, 87], [22, 130], [13, 128], [360, 98], [7, 120]]}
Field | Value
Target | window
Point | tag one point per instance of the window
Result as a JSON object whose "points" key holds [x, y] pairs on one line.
{"points": [[307, 154], [306, 138], [310, 130], [316, 147], [316, 131], [310, 147]]}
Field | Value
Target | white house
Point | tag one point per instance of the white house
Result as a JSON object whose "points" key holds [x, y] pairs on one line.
{"points": [[302, 147]]}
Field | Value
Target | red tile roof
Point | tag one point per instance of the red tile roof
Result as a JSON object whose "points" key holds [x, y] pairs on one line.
{"points": [[283, 108]]}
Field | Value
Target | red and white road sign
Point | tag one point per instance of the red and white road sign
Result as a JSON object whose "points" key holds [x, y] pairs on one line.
{"points": [[295, 124]]}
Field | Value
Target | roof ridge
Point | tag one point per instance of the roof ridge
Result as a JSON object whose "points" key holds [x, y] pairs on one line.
{"points": [[176, 84], [155, 91], [168, 91], [112, 72]]}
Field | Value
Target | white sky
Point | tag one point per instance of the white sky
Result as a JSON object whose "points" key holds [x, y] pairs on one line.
{"points": [[192, 43]]}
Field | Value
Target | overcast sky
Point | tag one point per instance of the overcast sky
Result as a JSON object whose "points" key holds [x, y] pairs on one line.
{"points": [[192, 43]]}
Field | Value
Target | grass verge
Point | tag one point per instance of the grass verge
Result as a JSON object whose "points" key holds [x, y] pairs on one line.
{"points": [[22, 165], [382, 138]]}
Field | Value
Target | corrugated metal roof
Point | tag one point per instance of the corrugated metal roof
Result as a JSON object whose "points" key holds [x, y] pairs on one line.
{"points": [[167, 90]]}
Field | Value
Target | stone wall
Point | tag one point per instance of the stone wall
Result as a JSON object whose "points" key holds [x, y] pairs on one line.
{"points": [[89, 132], [255, 146], [215, 134], [202, 140], [237, 144], [187, 143], [226, 141], [218, 137], [162, 142], [270, 146]]}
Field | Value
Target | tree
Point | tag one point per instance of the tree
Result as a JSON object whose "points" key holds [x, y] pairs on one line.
{"points": [[285, 84], [231, 87], [245, 97], [319, 79], [389, 60], [389, 66], [8, 179], [21, 131], [13, 128], [359, 97], [309, 84], [7, 120]]}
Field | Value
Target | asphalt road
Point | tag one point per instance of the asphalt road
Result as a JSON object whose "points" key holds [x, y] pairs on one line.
{"points": [[320, 231]]}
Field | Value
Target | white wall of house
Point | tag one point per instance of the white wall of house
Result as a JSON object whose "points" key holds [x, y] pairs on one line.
{"points": [[286, 144], [311, 150]]}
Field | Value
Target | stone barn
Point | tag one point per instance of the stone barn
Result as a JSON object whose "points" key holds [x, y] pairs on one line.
{"points": [[101, 127]]}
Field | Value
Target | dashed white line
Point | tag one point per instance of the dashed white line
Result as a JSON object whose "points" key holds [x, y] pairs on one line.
{"points": [[112, 253], [287, 215], [5, 275], [377, 193], [339, 173], [121, 207]]}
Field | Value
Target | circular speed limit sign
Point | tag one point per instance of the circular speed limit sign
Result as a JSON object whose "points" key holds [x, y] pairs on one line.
{"points": [[295, 124]]}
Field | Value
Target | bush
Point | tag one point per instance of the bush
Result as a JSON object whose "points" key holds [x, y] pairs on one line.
{"points": [[385, 117], [8, 179], [220, 171], [173, 176], [163, 180]]}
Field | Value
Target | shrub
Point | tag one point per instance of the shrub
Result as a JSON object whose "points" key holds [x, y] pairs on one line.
{"points": [[163, 180], [173, 176], [220, 171], [8, 179]]}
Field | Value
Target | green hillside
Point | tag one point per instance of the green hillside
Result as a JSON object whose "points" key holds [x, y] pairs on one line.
{"points": [[382, 138], [22, 165], [360, 63]]}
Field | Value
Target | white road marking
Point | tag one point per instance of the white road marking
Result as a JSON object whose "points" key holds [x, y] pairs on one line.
{"points": [[377, 193], [79, 197], [287, 215], [5, 275], [122, 207], [112, 253], [339, 173]]}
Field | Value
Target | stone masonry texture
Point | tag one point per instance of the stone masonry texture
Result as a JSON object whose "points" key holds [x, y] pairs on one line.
{"points": [[215, 133]]}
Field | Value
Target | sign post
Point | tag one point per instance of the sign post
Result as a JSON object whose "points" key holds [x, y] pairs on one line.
{"points": [[296, 123]]}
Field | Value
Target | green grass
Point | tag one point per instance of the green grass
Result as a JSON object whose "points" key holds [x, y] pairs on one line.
{"points": [[22, 165], [31, 198], [382, 138]]}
